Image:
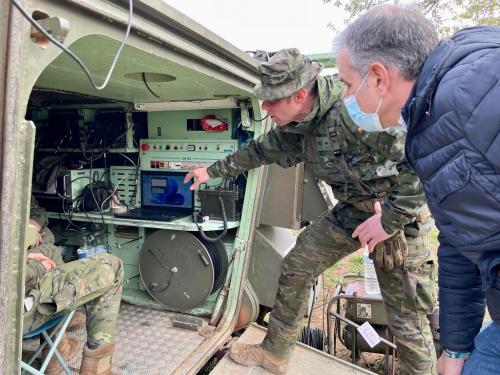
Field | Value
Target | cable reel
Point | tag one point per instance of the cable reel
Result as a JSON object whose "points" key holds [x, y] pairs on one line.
{"points": [[180, 269]]}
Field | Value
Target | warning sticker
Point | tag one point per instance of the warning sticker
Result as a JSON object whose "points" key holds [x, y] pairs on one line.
{"points": [[364, 310]]}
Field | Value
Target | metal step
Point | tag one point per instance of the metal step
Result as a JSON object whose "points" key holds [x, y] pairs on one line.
{"points": [[146, 342], [305, 360]]}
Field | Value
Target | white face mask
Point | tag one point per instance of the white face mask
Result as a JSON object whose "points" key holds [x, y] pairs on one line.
{"points": [[402, 123], [369, 122]]}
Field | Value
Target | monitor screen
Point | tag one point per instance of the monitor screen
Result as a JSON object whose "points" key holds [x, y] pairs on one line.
{"points": [[165, 189]]}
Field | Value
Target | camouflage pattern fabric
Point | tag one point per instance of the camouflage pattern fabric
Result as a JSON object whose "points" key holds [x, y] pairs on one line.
{"points": [[359, 166], [95, 283], [37, 213], [409, 291], [46, 171], [286, 72], [375, 160], [46, 247]]}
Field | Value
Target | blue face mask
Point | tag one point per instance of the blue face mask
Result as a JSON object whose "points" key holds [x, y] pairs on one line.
{"points": [[369, 122]]}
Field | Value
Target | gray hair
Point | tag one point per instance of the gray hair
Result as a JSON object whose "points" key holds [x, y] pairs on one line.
{"points": [[398, 36]]}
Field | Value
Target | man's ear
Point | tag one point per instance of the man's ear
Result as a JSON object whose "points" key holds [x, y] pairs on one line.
{"points": [[381, 75], [300, 96]]}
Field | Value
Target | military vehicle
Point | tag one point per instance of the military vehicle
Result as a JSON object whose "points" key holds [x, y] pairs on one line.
{"points": [[178, 97]]}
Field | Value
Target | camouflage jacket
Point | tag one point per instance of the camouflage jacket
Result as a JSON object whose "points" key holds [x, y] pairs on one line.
{"points": [[35, 269], [37, 213], [358, 165]]}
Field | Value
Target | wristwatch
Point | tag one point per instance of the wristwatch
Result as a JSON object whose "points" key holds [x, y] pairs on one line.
{"points": [[452, 354]]}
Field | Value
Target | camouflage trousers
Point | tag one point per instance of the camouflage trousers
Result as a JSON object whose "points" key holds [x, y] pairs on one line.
{"points": [[95, 283], [409, 292]]}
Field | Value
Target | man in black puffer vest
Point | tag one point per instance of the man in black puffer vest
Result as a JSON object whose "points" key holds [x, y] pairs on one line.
{"points": [[449, 101]]}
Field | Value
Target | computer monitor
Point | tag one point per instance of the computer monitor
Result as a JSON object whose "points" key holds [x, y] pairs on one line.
{"points": [[165, 189]]}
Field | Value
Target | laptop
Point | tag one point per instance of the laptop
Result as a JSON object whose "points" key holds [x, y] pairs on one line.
{"points": [[164, 197]]}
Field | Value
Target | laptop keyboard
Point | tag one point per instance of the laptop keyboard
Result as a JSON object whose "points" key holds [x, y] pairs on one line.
{"points": [[149, 215]]}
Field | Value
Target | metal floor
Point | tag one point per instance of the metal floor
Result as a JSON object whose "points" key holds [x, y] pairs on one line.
{"points": [[305, 360], [146, 343]]}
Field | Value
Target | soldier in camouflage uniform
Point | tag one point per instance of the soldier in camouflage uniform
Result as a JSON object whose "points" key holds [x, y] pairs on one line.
{"points": [[53, 287], [44, 242], [368, 174]]}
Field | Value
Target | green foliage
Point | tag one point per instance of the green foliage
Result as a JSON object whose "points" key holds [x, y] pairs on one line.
{"points": [[433, 238], [448, 15], [209, 366], [357, 265]]}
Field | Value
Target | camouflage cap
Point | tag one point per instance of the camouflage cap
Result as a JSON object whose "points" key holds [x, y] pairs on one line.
{"points": [[286, 72]]}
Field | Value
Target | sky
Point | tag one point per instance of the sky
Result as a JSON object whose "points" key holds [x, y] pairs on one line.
{"points": [[267, 24]]}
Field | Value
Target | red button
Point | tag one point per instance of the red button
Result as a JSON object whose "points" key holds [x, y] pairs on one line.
{"points": [[144, 147]]}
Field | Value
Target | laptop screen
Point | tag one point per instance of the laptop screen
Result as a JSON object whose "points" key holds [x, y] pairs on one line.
{"points": [[165, 190]]}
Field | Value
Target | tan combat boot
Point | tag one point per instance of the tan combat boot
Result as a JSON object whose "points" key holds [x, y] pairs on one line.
{"points": [[69, 349], [97, 361], [255, 355], [78, 321]]}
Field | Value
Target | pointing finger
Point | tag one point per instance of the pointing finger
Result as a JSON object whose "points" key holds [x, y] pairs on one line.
{"points": [[188, 177]]}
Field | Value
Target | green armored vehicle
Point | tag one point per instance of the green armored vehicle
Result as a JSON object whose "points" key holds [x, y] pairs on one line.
{"points": [[107, 165]]}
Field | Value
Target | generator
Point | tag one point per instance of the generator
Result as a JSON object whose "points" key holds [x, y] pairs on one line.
{"points": [[348, 309]]}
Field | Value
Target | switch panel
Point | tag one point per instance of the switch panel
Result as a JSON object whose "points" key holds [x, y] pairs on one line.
{"points": [[175, 154]]}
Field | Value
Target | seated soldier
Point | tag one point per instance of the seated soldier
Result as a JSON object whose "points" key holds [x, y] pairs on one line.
{"points": [[53, 287], [44, 244], [44, 239]]}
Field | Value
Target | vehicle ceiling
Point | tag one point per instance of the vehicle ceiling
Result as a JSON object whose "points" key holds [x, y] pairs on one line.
{"points": [[126, 83]]}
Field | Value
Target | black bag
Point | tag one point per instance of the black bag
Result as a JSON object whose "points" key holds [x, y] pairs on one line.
{"points": [[93, 196]]}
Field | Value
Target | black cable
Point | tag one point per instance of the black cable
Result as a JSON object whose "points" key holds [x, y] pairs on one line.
{"points": [[312, 308], [260, 120], [133, 197], [149, 88], [313, 337], [107, 148], [224, 218], [71, 54], [68, 219], [93, 195]]}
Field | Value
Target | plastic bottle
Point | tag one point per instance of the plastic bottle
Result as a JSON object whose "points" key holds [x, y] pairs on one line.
{"points": [[100, 244], [100, 249], [371, 282], [86, 249]]}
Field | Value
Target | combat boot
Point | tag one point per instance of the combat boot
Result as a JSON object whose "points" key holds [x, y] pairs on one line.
{"points": [[69, 349], [255, 355], [78, 321], [97, 361]]}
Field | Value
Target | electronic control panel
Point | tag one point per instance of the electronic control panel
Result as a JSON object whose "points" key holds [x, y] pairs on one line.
{"points": [[183, 154]]}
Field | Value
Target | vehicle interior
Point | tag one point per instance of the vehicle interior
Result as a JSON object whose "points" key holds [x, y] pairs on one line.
{"points": [[102, 131], [101, 157]]}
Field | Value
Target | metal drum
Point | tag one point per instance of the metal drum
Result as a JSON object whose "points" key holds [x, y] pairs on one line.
{"points": [[180, 270]]}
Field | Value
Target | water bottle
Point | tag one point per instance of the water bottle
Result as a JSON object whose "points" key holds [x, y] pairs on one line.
{"points": [[100, 249], [99, 245], [371, 282], [86, 249]]}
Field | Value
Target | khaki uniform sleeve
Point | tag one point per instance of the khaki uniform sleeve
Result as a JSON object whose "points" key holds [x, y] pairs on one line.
{"points": [[275, 146], [37, 213], [404, 201], [34, 272]]}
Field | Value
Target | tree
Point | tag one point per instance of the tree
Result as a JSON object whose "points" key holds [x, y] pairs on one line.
{"points": [[448, 15]]}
